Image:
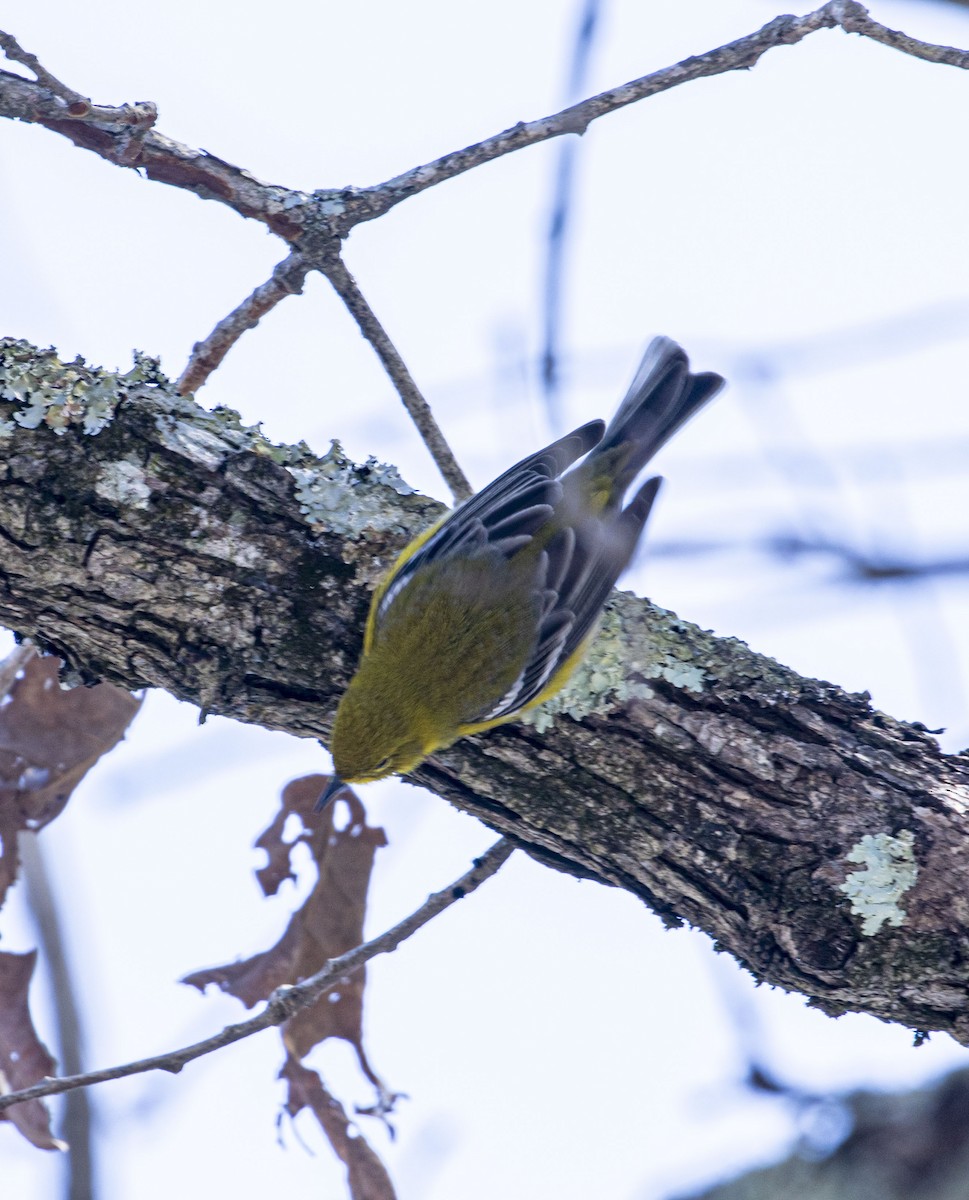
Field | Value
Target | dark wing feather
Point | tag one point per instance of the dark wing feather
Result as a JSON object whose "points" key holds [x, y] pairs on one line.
{"points": [[584, 561], [662, 397], [504, 515], [520, 486]]}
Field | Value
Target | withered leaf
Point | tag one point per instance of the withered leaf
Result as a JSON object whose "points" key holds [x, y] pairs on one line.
{"points": [[329, 923], [24, 1059], [367, 1177], [49, 740]]}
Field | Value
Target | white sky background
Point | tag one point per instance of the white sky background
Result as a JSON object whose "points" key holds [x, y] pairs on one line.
{"points": [[799, 227]]}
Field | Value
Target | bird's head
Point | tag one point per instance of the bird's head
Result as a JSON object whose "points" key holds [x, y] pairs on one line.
{"points": [[374, 734]]}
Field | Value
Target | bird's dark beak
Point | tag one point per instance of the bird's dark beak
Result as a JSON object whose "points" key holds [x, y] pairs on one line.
{"points": [[335, 785]]}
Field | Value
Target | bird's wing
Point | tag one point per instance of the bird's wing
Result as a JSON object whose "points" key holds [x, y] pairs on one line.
{"points": [[504, 516], [582, 564], [574, 573]]}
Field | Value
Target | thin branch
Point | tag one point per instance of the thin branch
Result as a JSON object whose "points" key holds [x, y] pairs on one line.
{"points": [[50, 102], [285, 1001], [293, 214], [563, 194], [77, 104], [287, 279], [855, 19], [738, 55], [106, 131], [346, 287], [862, 565], [76, 1124]]}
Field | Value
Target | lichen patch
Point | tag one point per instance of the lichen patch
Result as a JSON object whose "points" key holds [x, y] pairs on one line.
{"points": [[123, 483], [340, 496], [888, 871], [36, 389]]}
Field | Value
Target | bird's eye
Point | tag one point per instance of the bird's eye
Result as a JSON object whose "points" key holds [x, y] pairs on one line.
{"points": [[383, 765]]}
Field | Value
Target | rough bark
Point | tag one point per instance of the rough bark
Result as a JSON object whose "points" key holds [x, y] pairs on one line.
{"points": [[826, 845]]}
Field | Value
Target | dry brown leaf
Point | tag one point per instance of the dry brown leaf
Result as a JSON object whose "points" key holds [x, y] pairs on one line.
{"points": [[329, 923], [24, 1059], [49, 740], [367, 1177]]}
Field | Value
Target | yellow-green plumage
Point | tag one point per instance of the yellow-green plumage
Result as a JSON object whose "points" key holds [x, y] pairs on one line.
{"points": [[487, 613]]}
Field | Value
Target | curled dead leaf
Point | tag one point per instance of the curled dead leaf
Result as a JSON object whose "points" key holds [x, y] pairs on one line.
{"points": [[367, 1176], [329, 923], [24, 1059], [49, 740]]}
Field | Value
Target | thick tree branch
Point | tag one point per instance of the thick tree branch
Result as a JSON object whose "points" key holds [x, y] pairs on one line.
{"points": [[824, 844], [285, 1001]]}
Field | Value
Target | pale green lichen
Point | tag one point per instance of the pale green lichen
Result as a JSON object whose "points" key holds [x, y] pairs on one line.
{"points": [[600, 682], [889, 870], [100, 401], [123, 482], [294, 199], [327, 202], [334, 493], [45, 391], [192, 438], [331, 497], [626, 653], [687, 676]]}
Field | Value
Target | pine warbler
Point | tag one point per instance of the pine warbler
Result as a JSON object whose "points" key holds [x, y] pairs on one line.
{"points": [[488, 612]]}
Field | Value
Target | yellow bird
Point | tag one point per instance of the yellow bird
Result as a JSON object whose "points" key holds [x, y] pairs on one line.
{"points": [[488, 612]]}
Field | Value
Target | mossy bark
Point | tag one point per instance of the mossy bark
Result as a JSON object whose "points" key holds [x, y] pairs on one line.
{"points": [[151, 543]]}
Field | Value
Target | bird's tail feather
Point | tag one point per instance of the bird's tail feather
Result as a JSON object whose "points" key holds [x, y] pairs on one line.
{"points": [[662, 397]]}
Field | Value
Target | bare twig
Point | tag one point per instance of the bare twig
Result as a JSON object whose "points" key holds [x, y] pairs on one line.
{"points": [[854, 18], [286, 280], [285, 1001], [346, 287], [734, 56], [76, 1125], [561, 211], [291, 213], [77, 104], [106, 131]]}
